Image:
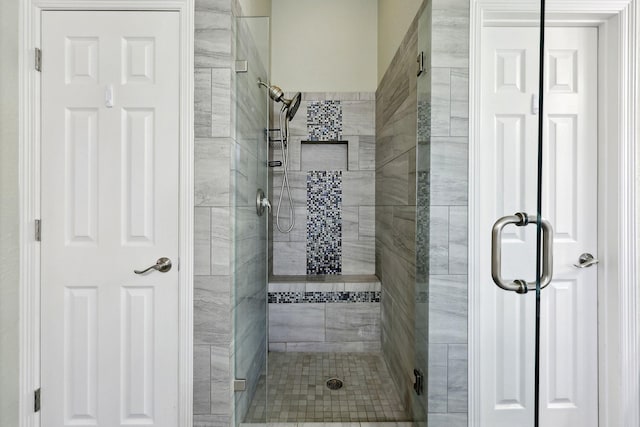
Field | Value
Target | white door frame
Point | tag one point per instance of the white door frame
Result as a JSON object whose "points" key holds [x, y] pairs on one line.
{"points": [[618, 168], [29, 175]]}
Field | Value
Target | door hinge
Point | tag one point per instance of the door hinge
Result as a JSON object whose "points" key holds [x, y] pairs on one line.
{"points": [[38, 59], [37, 230], [36, 401]]}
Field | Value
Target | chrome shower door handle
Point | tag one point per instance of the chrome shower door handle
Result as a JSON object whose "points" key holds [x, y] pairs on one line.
{"points": [[521, 220], [162, 265], [586, 260], [262, 202]]}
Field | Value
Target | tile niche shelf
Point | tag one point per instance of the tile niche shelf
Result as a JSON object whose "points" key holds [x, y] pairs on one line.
{"points": [[324, 155]]}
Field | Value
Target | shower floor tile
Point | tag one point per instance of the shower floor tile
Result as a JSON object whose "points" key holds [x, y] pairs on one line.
{"points": [[297, 390]]}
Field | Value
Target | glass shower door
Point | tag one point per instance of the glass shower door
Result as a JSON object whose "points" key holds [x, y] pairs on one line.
{"points": [[250, 223]]}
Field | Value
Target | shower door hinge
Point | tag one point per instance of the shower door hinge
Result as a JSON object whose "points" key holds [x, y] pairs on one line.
{"points": [[242, 66], [37, 230], [36, 401], [239, 385], [418, 384], [420, 62], [38, 59]]}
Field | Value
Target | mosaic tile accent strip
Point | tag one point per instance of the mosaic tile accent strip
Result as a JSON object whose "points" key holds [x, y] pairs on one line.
{"points": [[422, 228], [424, 121], [322, 297], [324, 222], [324, 120]]}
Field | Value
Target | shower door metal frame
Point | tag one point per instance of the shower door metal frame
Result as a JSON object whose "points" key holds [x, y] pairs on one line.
{"points": [[619, 310]]}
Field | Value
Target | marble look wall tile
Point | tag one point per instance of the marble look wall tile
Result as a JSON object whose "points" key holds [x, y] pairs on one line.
{"points": [[202, 107], [334, 347], [299, 232], [324, 287], [296, 322], [367, 153], [395, 182], [448, 309], [458, 352], [220, 361], [212, 178], [459, 102], [321, 157], [437, 378], [353, 322], [212, 310], [366, 223], [357, 188], [220, 241], [222, 6], [358, 117], [367, 96], [314, 96], [353, 151], [289, 258], [287, 286], [457, 384], [457, 390], [458, 240], [439, 240], [398, 135], [412, 184], [450, 33], [202, 244], [384, 226], [201, 379], [404, 232], [343, 96], [221, 395], [447, 420], [449, 171], [363, 287], [297, 183], [358, 257], [440, 101], [201, 396], [212, 48], [294, 144], [277, 347], [201, 362], [212, 420], [350, 219], [221, 102]]}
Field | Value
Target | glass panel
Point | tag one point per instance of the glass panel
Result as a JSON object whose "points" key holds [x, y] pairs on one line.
{"points": [[250, 230], [423, 166]]}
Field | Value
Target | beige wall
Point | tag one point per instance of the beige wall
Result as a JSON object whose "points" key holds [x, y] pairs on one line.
{"points": [[324, 46], [393, 22], [9, 213]]}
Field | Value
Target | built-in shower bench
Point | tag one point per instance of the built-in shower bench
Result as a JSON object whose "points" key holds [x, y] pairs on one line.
{"points": [[332, 313]]}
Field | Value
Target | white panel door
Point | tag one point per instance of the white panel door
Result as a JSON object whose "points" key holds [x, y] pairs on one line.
{"points": [[110, 135], [569, 370]]}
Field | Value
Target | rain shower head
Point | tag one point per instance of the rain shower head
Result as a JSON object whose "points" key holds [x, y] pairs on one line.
{"points": [[277, 94], [292, 105]]}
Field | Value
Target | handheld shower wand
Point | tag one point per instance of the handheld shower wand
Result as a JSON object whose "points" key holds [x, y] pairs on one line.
{"points": [[287, 112]]}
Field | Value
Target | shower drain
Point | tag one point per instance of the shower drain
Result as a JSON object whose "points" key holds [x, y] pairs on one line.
{"points": [[334, 384]]}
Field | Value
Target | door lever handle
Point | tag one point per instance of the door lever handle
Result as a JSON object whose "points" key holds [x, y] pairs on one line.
{"points": [[162, 265], [586, 260]]}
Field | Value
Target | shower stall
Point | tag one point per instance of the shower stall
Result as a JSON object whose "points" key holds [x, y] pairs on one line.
{"points": [[330, 278], [350, 267]]}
